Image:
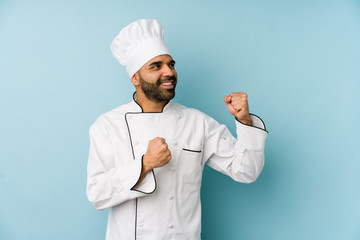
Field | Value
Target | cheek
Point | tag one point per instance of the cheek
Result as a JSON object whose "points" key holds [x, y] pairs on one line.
{"points": [[152, 78]]}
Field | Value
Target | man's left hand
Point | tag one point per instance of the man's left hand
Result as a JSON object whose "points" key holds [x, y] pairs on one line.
{"points": [[238, 106]]}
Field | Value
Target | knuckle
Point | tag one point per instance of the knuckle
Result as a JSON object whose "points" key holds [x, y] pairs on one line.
{"points": [[237, 107]]}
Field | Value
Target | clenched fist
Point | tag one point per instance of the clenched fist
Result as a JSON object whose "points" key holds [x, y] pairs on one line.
{"points": [[157, 154], [238, 106]]}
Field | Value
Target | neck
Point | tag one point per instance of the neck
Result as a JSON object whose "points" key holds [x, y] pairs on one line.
{"points": [[149, 105]]}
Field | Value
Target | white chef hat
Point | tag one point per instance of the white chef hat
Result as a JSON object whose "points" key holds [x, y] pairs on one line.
{"points": [[137, 43]]}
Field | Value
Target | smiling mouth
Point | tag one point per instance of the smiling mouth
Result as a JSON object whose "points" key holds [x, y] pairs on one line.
{"points": [[168, 84]]}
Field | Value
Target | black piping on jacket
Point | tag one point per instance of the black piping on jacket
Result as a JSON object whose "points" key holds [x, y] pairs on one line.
{"points": [[133, 153]]}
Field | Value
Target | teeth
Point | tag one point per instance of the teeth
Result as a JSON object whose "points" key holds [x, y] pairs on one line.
{"points": [[167, 84]]}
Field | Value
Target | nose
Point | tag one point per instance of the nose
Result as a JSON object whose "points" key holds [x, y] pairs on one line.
{"points": [[168, 71]]}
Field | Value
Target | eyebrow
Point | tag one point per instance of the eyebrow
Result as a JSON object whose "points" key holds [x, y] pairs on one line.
{"points": [[160, 62], [155, 63]]}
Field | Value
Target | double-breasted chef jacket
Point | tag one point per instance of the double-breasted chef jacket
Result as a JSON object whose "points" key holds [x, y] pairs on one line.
{"points": [[166, 204]]}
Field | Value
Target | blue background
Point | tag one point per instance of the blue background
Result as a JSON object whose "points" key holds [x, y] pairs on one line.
{"points": [[299, 62]]}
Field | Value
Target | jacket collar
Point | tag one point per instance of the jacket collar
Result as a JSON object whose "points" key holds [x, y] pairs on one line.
{"points": [[139, 108]]}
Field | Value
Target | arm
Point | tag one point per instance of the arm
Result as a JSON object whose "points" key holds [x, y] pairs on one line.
{"points": [[243, 158], [109, 180], [113, 180]]}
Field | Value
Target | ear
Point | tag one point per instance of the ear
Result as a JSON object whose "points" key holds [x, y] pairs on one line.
{"points": [[135, 79]]}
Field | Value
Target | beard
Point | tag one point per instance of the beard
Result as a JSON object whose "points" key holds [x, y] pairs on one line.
{"points": [[153, 91]]}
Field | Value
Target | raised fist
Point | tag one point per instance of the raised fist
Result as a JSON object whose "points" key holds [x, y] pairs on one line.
{"points": [[238, 106]]}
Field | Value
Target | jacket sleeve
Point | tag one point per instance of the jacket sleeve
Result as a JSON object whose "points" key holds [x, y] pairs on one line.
{"points": [[110, 180], [243, 158]]}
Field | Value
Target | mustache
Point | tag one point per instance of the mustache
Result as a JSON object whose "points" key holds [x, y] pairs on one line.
{"points": [[170, 78]]}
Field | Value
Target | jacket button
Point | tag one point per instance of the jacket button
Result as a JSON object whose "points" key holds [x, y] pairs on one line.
{"points": [[171, 226]]}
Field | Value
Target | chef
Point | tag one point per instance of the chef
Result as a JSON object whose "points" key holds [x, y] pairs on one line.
{"points": [[146, 157]]}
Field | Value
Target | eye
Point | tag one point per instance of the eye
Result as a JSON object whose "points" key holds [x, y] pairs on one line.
{"points": [[172, 65], [155, 66]]}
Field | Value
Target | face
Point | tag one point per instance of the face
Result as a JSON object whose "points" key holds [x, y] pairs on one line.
{"points": [[158, 78]]}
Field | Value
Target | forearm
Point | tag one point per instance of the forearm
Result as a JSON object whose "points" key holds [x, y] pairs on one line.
{"points": [[249, 149], [145, 169], [108, 188], [243, 158]]}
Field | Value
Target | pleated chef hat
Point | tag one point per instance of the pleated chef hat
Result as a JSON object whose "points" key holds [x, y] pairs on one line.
{"points": [[137, 43]]}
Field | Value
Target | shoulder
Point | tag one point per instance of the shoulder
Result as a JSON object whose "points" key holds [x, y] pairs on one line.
{"points": [[113, 116]]}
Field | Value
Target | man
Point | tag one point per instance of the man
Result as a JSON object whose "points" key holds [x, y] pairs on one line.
{"points": [[146, 157]]}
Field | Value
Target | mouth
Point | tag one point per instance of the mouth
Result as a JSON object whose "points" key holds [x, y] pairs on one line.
{"points": [[168, 84]]}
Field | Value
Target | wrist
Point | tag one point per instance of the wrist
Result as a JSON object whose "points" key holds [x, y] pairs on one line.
{"points": [[145, 164], [246, 121]]}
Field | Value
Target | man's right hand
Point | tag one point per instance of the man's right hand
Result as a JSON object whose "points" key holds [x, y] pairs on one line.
{"points": [[157, 154]]}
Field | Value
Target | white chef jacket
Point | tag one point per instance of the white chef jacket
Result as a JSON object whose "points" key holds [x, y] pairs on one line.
{"points": [[166, 204]]}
